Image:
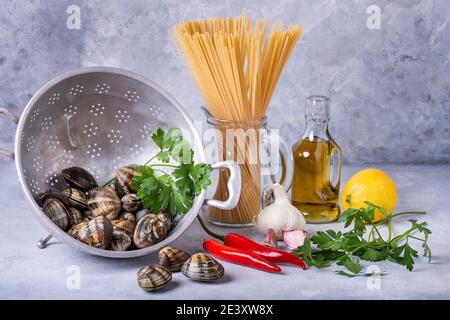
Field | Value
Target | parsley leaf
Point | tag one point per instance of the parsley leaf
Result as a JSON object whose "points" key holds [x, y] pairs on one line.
{"points": [[200, 175], [179, 203], [328, 240], [407, 259], [174, 191], [371, 254], [171, 144], [352, 265], [192, 179], [305, 252]]}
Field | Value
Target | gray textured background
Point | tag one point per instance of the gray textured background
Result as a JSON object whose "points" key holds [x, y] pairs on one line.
{"points": [[389, 87]]}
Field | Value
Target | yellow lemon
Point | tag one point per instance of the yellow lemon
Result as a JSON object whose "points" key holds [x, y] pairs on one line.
{"points": [[371, 185]]}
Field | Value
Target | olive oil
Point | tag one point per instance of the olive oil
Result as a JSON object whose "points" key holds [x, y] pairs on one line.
{"points": [[317, 166], [313, 192]]}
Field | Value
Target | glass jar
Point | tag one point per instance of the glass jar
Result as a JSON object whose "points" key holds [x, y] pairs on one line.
{"points": [[317, 166], [264, 159]]}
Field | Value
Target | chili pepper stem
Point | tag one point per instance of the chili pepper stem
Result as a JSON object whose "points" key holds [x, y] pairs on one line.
{"points": [[208, 231]]}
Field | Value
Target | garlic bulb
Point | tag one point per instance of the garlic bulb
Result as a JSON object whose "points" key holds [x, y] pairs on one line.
{"points": [[280, 215]]}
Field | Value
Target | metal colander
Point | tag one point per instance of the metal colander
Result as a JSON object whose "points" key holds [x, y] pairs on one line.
{"points": [[99, 119]]}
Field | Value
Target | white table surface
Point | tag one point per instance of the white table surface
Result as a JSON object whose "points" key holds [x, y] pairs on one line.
{"points": [[27, 272]]}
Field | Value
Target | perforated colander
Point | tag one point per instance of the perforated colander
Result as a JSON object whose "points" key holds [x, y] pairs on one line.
{"points": [[100, 119]]}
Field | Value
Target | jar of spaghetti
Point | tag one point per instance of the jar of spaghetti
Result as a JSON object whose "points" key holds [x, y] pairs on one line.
{"points": [[264, 159]]}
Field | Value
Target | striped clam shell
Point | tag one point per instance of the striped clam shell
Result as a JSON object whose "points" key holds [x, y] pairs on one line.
{"points": [[120, 241], [127, 216], [79, 178], [154, 277], [111, 188], [141, 213], [57, 212], [126, 226], [97, 233], [149, 230], [75, 216], [73, 231], [172, 258], [167, 219], [76, 198], [122, 180], [104, 202], [131, 202], [202, 267], [51, 193]]}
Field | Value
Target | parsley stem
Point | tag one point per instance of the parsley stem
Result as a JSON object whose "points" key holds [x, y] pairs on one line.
{"points": [[160, 170], [413, 237], [378, 232], [404, 235], [389, 231], [403, 213], [150, 160], [370, 235], [163, 165]]}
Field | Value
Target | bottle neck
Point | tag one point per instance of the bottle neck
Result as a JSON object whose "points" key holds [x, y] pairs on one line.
{"points": [[317, 114], [316, 130]]}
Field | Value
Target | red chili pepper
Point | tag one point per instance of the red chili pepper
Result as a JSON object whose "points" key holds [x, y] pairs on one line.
{"points": [[239, 256], [271, 254]]}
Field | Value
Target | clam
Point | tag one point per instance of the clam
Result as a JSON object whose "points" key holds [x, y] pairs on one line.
{"points": [[153, 277], [141, 213], [111, 188], [52, 193], [202, 267], [104, 202], [172, 258], [75, 216], [167, 219], [120, 241], [131, 202], [57, 212], [73, 231], [126, 226], [79, 178], [88, 214], [127, 216], [76, 198], [97, 233], [122, 180], [149, 230]]}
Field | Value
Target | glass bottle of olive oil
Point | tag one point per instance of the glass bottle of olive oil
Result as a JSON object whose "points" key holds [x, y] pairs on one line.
{"points": [[317, 166]]}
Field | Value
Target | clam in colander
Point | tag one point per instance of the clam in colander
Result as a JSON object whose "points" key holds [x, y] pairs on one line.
{"points": [[100, 119]]}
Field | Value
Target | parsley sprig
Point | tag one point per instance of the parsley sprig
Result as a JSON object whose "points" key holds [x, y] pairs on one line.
{"points": [[160, 190], [348, 248]]}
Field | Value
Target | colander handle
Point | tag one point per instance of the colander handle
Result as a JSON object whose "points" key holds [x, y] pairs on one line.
{"points": [[233, 186], [13, 118]]}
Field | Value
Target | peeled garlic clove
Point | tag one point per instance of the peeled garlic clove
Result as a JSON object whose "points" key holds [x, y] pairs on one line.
{"points": [[270, 239], [294, 238]]}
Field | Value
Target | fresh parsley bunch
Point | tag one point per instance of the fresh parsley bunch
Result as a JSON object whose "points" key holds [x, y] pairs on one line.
{"points": [[172, 191], [348, 248]]}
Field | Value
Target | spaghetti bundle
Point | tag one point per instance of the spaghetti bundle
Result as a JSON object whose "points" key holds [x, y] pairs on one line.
{"points": [[236, 66]]}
